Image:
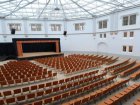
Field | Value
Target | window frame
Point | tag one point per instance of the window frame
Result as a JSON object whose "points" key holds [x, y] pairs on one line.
{"points": [[131, 34], [55, 27], [102, 24], [79, 26], [129, 20], [105, 35], [130, 48], [17, 26], [36, 27], [125, 34], [124, 48], [101, 35]]}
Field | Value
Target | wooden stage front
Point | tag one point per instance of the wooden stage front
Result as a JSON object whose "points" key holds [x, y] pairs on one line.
{"points": [[33, 55]]}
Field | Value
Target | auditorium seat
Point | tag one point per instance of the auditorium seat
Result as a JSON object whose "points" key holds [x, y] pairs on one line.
{"points": [[75, 63], [21, 99], [10, 101], [15, 73], [120, 96], [135, 75]]}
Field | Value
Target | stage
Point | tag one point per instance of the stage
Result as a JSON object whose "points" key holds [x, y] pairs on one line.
{"points": [[33, 55]]}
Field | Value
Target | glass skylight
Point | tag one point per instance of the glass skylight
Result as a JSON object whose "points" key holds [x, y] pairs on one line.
{"points": [[61, 9]]}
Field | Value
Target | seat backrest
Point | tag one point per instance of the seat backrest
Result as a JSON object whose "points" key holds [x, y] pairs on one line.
{"points": [[16, 91], [34, 87], [25, 89], [20, 98], [38, 103], [1, 102], [10, 100], [32, 95], [7, 93], [47, 100]]}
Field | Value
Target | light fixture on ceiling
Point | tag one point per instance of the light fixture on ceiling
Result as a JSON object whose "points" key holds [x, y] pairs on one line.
{"points": [[56, 6], [57, 9]]}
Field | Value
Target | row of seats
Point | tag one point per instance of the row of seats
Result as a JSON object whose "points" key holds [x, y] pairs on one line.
{"points": [[130, 70], [97, 94], [32, 79], [54, 86], [135, 75], [16, 82], [75, 62], [22, 72], [97, 58], [68, 65], [77, 91], [117, 98], [112, 61], [117, 65], [123, 68], [52, 90]]}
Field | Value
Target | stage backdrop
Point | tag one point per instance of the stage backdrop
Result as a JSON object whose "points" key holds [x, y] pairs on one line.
{"points": [[39, 47]]}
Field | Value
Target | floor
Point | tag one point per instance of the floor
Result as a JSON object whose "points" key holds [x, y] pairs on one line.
{"points": [[61, 75]]}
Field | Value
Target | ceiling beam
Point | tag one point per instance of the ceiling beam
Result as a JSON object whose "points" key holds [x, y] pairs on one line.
{"points": [[15, 7], [83, 8], [6, 1], [63, 9], [120, 4], [43, 8], [20, 8]]}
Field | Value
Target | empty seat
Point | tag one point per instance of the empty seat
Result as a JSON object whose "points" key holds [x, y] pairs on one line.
{"points": [[34, 88], [48, 91], [37, 103], [10, 101], [7, 94], [20, 99], [17, 92], [48, 100], [48, 84], [2, 102], [30, 96], [57, 98], [25, 90], [11, 82], [39, 94], [41, 86]]}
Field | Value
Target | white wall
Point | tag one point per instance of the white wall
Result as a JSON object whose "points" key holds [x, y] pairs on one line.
{"points": [[86, 40]]}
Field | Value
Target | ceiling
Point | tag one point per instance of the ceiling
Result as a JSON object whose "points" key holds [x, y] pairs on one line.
{"points": [[62, 9]]}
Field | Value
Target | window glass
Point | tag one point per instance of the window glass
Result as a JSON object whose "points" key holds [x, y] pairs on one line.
{"points": [[105, 24], [124, 48], [132, 19], [130, 48], [131, 34], [125, 34], [125, 20], [15, 26]]}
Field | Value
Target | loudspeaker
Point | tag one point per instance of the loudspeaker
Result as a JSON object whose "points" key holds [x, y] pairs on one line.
{"points": [[13, 31], [65, 33]]}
